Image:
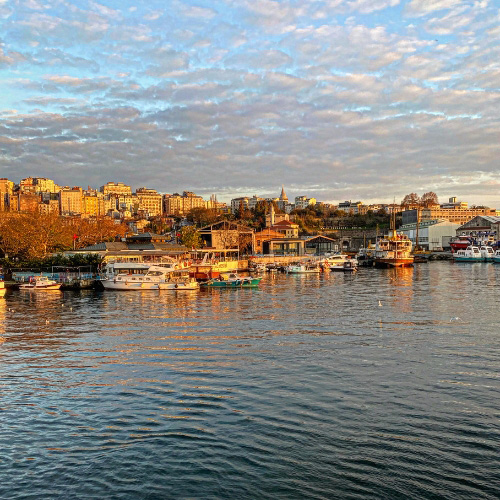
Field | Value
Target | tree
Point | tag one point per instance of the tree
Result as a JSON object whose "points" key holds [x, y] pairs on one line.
{"points": [[201, 216], [190, 237], [411, 199], [429, 199]]}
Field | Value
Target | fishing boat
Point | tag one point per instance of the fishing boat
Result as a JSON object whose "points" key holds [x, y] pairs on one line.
{"points": [[393, 250], [487, 253], [470, 254], [496, 257], [233, 281], [36, 283], [179, 280]]}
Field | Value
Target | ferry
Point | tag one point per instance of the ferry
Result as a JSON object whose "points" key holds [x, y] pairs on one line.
{"points": [[393, 250]]}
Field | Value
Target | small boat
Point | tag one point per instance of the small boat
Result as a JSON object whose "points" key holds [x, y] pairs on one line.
{"points": [[470, 254], [40, 283], [179, 280], [487, 253], [337, 262], [350, 266], [233, 281], [496, 257], [303, 268]]}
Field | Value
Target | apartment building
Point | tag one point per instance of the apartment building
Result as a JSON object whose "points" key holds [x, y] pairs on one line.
{"points": [[71, 201], [150, 201]]}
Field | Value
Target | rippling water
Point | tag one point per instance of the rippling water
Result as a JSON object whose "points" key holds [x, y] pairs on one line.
{"points": [[380, 385]]}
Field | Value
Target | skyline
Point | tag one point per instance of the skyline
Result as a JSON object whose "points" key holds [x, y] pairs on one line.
{"points": [[338, 99]]}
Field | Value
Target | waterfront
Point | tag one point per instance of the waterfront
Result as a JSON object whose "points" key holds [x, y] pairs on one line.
{"points": [[382, 384]]}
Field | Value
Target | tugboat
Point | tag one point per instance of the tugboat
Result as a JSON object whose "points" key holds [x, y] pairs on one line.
{"points": [[393, 250]]}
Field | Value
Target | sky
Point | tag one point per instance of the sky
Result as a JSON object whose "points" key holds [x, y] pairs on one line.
{"points": [[336, 99]]}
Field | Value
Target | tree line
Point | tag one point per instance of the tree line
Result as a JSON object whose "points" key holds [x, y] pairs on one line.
{"points": [[29, 236]]}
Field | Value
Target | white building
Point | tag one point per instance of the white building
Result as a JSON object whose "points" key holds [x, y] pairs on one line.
{"points": [[432, 234]]}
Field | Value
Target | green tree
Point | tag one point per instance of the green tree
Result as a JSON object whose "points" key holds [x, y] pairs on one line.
{"points": [[190, 237]]}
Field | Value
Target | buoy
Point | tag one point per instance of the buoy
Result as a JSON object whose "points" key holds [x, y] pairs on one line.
{"points": [[379, 303]]}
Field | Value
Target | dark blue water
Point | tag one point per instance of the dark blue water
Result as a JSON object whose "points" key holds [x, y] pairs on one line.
{"points": [[384, 384]]}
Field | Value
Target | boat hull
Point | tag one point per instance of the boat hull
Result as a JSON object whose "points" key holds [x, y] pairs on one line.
{"points": [[385, 263], [121, 285], [179, 286], [241, 283], [57, 286], [468, 259]]}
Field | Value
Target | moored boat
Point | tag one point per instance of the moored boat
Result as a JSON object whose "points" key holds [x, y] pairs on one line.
{"points": [[151, 280], [338, 262], [487, 253], [496, 257], [470, 254], [303, 268], [179, 280], [393, 250], [233, 281], [36, 283]]}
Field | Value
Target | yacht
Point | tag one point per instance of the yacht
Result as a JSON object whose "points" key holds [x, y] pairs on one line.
{"points": [[150, 280]]}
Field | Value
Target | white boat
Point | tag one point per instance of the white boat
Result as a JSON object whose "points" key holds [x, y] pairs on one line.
{"points": [[40, 283], [337, 262], [179, 280], [151, 280], [487, 253], [496, 257], [470, 254], [303, 268]]}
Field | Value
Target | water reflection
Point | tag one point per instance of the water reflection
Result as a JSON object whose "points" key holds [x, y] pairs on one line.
{"points": [[300, 388]]}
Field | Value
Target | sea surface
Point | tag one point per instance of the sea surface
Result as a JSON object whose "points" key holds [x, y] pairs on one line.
{"points": [[383, 384]]}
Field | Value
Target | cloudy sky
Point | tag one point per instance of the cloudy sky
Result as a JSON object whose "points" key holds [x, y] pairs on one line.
{"points": [[336, 99]]}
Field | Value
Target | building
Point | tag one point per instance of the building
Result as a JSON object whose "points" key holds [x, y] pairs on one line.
{"points": [[44, 185], [321, 245], [175, 204], [118, 188], [453, 211], [283, 201], [150, 201], [28, 202], [480, 227], [302, 202], [70, 200], [350, 207], [432, 234], [6, 191], [228, 236], [287, 228], [262, 239], [239, 204]]}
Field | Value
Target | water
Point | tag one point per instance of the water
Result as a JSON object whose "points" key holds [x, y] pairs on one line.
{"points": [[384, 384]]}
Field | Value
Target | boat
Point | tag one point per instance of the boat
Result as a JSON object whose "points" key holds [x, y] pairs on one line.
{"points": [[470, 254], [393, 250], [336, 262], [487, 253], [233, 280], [350, 266], [308, 267], [150, 280], [496, 257], [179, 280], [40, 283]]}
